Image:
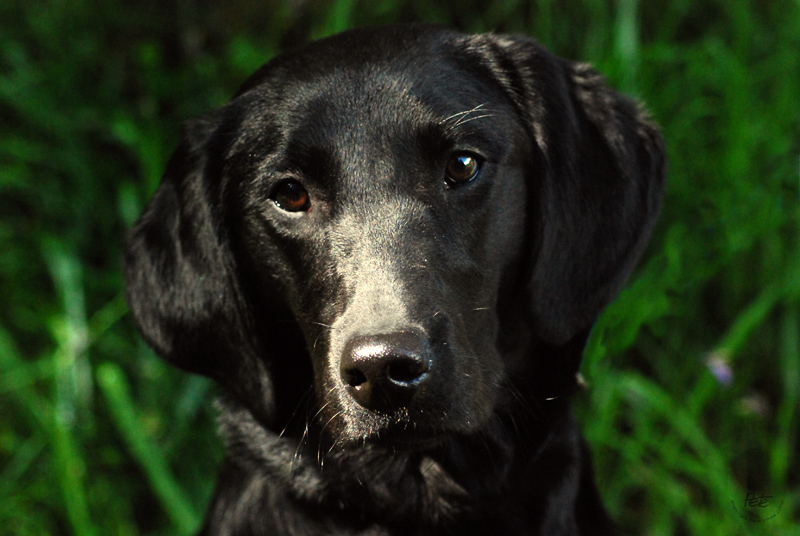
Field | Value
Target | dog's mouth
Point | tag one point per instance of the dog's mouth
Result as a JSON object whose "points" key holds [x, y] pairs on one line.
{"points": [[396, 438], [425, 420]]}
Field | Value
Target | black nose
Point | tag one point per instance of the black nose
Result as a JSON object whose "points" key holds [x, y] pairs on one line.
{"points": [[383, 372]]}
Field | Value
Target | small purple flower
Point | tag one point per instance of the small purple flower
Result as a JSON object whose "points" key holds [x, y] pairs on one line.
{"points": [[720, 368]]}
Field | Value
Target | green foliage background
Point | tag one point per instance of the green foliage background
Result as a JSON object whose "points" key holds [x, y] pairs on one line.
{"points": [[97, 436]]}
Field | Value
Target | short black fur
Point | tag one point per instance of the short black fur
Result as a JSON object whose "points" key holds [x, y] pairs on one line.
{"points": [[398, 354]]}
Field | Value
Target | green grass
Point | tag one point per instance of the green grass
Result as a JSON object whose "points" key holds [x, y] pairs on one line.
{"points": [[98, 436]]}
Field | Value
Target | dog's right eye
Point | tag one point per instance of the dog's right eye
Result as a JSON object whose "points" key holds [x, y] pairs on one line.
{"points": [[289, 195], [461, 168]]}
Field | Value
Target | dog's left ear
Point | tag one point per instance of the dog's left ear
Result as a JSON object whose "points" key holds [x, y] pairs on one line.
{"points": [[598, 191], [182, 283]]}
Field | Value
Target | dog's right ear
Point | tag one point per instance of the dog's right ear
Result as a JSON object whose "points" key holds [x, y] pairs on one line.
{"points": [[181, 279], [598, 182]]}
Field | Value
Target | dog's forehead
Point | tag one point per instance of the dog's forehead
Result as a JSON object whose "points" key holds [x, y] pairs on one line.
{"points": [[378, 97], [374, 77]]}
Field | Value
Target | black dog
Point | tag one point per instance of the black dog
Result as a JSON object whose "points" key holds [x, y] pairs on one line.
{"points": [[389, 249]]}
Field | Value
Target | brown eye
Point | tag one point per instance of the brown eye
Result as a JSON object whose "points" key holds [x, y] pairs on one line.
{"points": [[461, 168], [290, 196]]}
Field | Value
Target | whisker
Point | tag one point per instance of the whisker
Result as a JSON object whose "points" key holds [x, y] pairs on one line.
{"points": [[325, 326], [303, 402], [320, 456], [446, 119], [468, 119], [303, 441], [460, 118], [328, 326]]}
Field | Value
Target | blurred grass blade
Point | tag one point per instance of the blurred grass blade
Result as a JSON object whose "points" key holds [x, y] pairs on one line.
{"points": [[106, 317], [73, 386], [542, 23], [626, 42], [70, 331], [22, 460], [147, 453], [22, 376], [784, 450], [786, 288], [748, 320], [338, 18], [688, 430], [71, 472]]}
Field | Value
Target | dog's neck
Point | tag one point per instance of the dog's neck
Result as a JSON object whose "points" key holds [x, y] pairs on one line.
{"points": [[462, 476]]}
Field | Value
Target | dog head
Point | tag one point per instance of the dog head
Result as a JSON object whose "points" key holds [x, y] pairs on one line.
{"points": [[406, 221]]}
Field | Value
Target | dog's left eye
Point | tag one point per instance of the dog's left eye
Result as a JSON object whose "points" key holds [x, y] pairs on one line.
{"points": [[290, 196], [461, 168]]}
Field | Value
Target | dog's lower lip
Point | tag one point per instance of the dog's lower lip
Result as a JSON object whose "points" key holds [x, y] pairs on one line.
{"points": [[398, 432], [400, 440]]}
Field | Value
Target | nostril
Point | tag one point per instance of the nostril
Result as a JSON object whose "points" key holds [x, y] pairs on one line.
{"points": [[405, 370], [353, 377]]}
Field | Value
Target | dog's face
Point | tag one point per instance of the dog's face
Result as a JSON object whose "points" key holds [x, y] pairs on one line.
{"points": [[393, 219], [387, 206]]}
